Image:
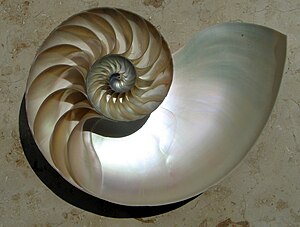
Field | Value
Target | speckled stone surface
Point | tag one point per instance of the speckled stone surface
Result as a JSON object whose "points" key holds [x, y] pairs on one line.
{"points": [[264, 190]]}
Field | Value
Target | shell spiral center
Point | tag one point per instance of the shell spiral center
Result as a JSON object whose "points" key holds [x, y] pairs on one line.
{"points": [[113, 70], [109, 76]]}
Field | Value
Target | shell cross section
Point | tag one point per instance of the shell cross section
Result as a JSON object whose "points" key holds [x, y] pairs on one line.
{"points": [[112, 64]]}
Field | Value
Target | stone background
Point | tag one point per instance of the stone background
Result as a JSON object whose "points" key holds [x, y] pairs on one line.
{"points": [[264, 190]]}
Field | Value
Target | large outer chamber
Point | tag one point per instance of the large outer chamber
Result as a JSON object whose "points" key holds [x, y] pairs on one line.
{"points": [[225, 82]]}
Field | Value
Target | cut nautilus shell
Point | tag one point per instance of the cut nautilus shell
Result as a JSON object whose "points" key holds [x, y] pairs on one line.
{"points": [[122, 119]]}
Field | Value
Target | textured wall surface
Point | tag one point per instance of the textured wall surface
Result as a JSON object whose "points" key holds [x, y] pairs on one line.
{"points": [[264, 190]]}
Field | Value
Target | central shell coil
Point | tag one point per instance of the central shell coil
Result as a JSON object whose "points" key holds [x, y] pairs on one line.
{"points": [[111, 77]]}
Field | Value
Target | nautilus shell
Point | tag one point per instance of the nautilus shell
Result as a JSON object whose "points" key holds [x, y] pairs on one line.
{"points": [[122, 119]]}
